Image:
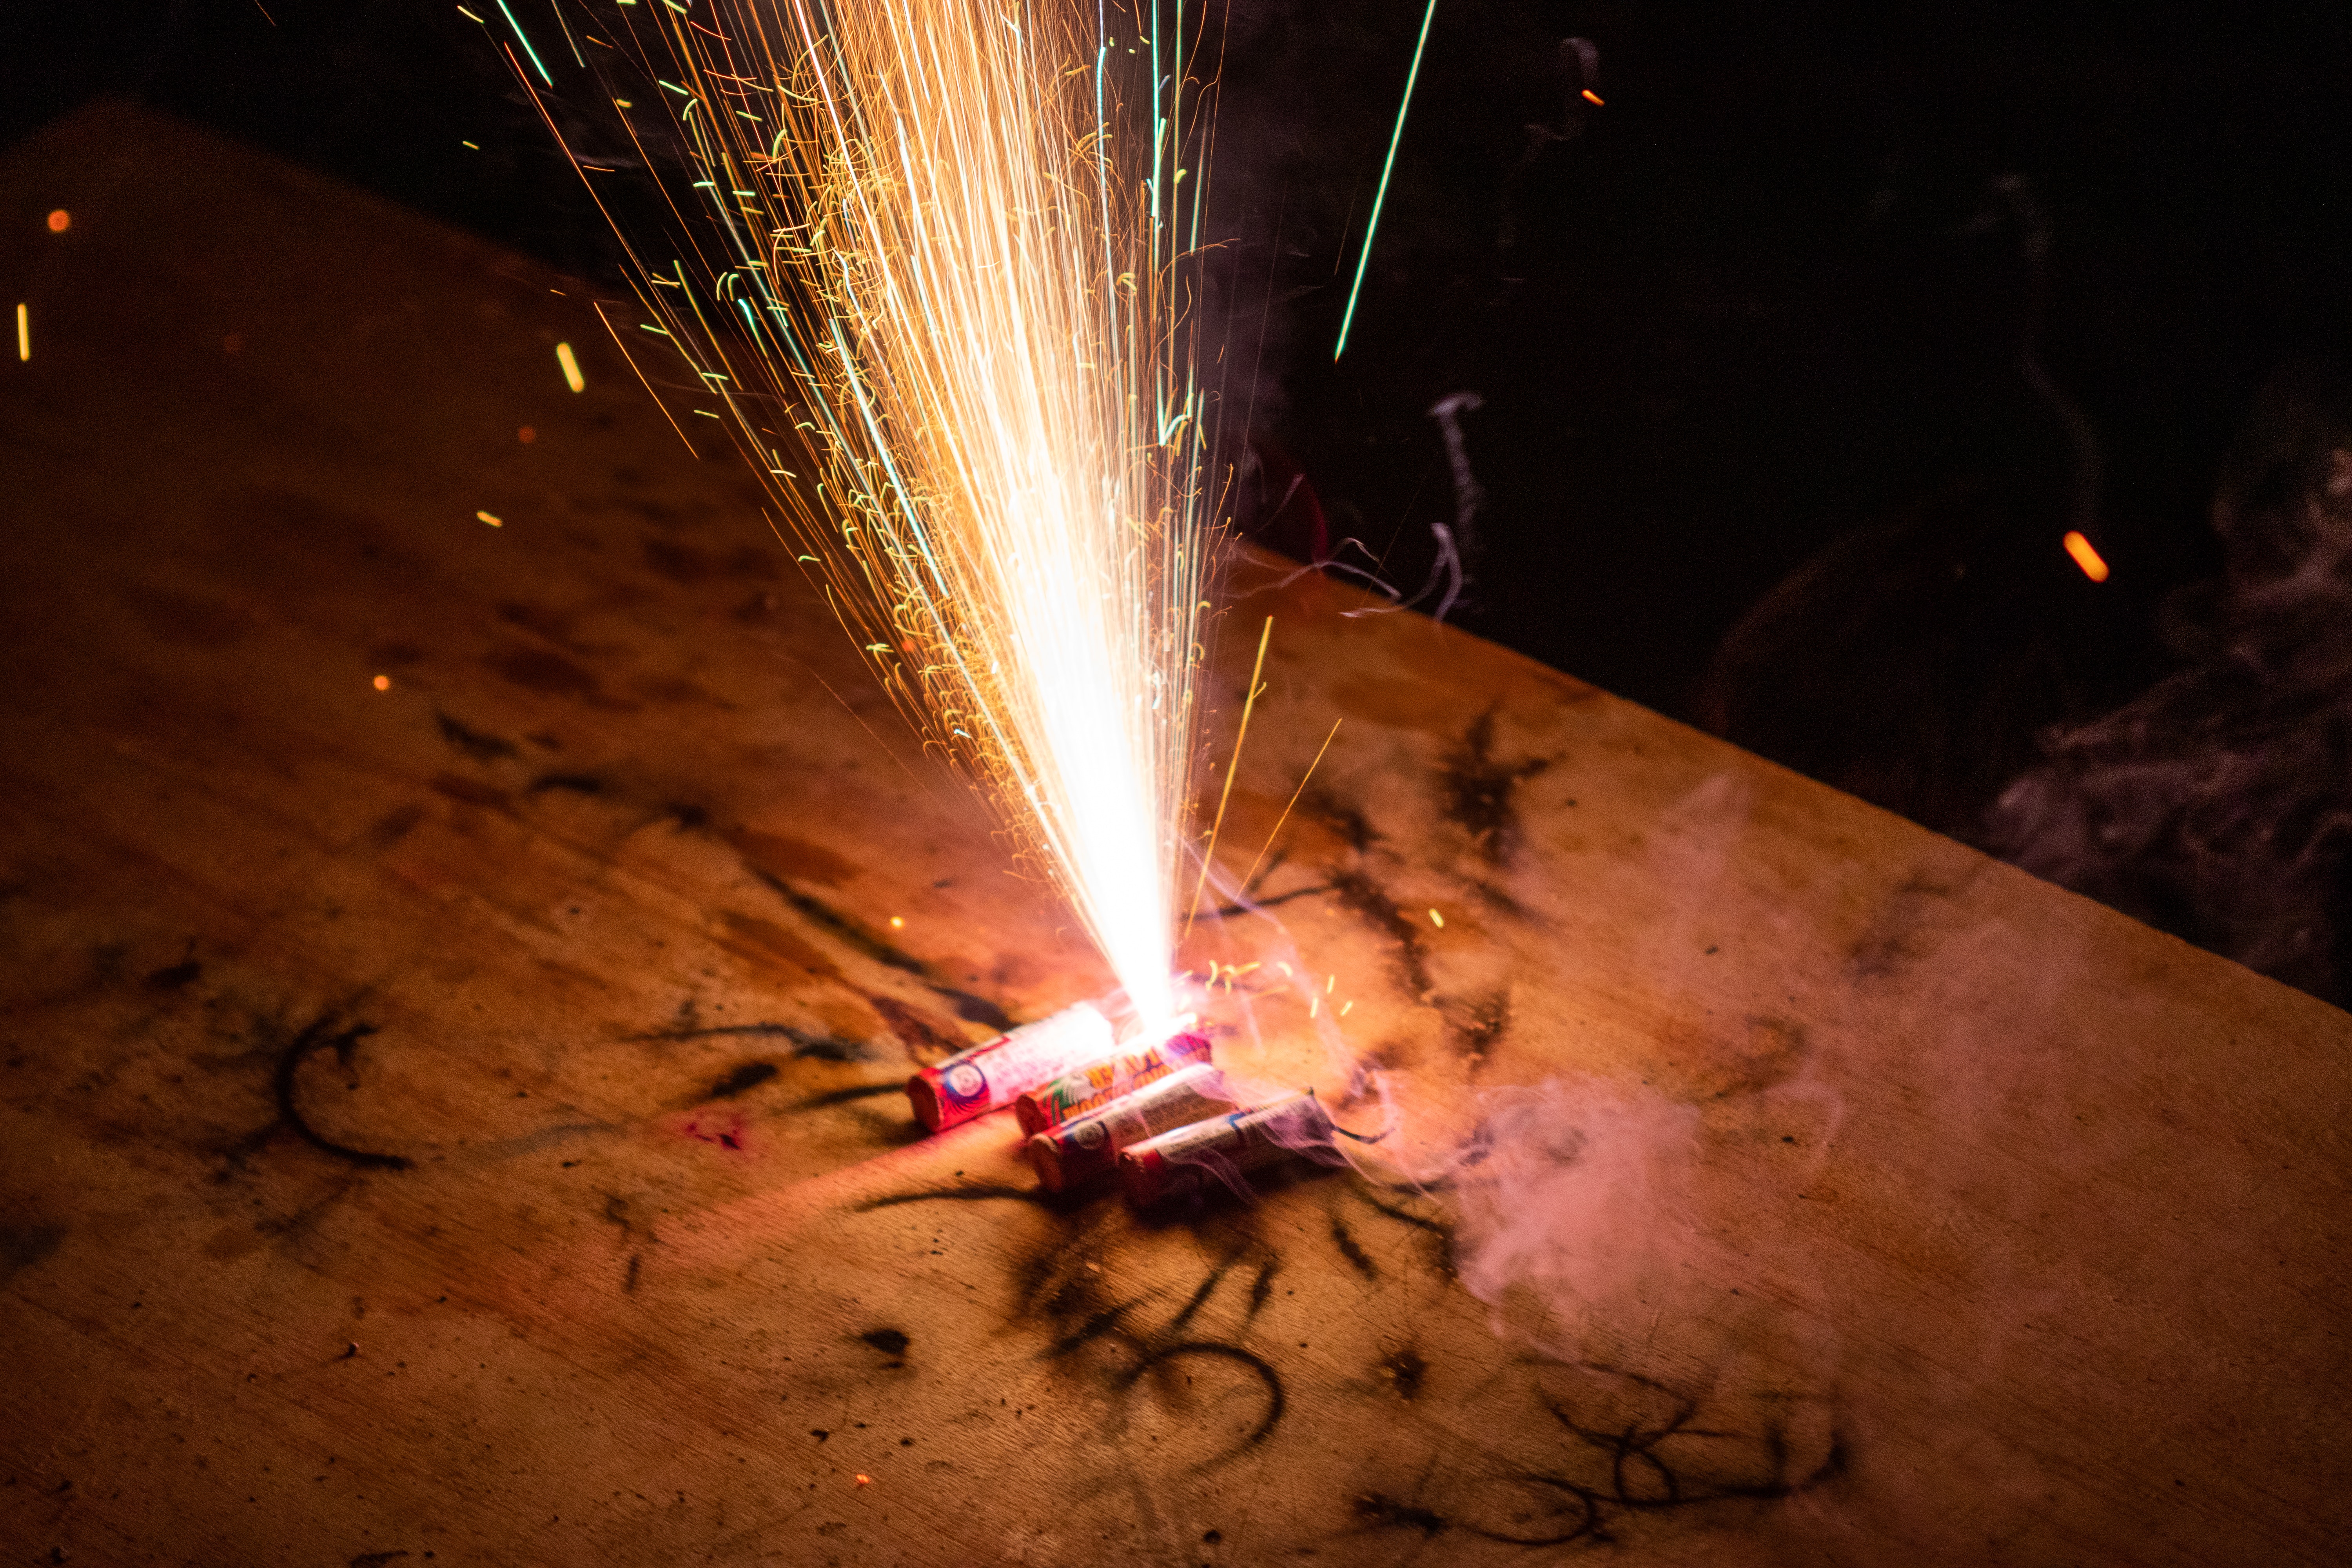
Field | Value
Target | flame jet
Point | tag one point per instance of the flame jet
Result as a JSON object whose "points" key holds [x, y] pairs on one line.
{"points": [[937, 290]]}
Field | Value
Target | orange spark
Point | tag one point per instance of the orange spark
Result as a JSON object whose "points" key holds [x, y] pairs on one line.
{"points": [[1590, 96], [383, 683], [493, 522], [571, 376], [60, 221], [2094, 565]]}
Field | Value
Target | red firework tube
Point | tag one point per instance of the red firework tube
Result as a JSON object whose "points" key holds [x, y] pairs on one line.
{"points": [[1088, 1146], [1228, 1146], [1090, 1089], [988, 1077]]}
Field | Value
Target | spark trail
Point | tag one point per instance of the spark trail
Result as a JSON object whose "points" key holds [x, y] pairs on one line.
{"points": [[932, 284]]}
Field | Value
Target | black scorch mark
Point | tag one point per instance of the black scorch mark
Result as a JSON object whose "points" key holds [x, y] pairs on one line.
{"points": [[474, 743], [1352, 1250], [1478, 790], [322, 1035], [1378, 908], [743, 1080], [841, 928], [1477, 1025]]}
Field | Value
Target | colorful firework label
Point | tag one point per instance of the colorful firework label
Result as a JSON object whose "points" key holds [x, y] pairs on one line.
{"points": [[1226, 1148], [990, 1075], [1088, 1146], [1075, 1094]]}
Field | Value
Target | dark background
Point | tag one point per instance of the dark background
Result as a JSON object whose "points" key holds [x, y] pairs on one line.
{"points": [[1773, 310]]}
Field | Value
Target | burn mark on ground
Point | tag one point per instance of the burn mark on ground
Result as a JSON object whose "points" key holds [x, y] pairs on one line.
{"points": [[753, 937], [1371, 903], [1200, 1298], [1772, 1052], [576, 783], [376, 1559], [1352, 1250], [1261, 1287], [323, 1034], [743, 1080], [1342, 817], [973, 1009], [1276, 1400], [680, 565], [395, 825], [1495, 899], [1381, 1511], [1478, 790], [857, 937], [549, 674], [1621, 1462], [629, 1280], [1093, 1328], [1226, 911], [1477, 1025], [889, 1342], [1897, 936], [477, 744], [775, 854], [1405, 1369], [175, 976], [539, 621], [849, 1096], [23, 1245], [840, 927], [806, 1043], [973, 1193], [925, 1040]]}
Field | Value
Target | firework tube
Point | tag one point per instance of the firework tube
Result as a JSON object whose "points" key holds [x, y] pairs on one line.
{"points": [[985, 1078], [1088, 1146], [1091, 1088], [1225, 1147]]}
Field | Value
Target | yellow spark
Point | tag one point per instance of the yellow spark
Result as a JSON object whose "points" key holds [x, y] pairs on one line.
{"points": [[947, 253], [493, 522], [1437, 919], [24, 332], [1346, 1007], [898, 922], [1232, 767], [571, 376]]}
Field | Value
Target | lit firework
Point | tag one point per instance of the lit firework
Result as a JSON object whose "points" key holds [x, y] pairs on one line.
{"points": [[932, 290]]}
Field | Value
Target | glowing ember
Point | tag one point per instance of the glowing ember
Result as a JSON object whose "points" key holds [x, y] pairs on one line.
{"points": [[60, 221], [2085, 555], [937, 305]]}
